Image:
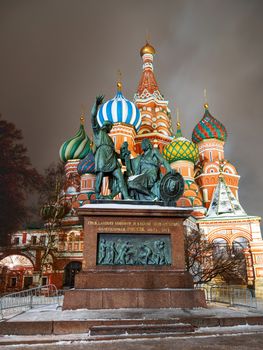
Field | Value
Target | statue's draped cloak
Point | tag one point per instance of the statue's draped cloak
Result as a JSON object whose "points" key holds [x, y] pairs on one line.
{"points": [[105, 155], [148, 169]]}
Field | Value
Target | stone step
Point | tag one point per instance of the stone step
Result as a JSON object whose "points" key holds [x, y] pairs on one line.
{"points": [[86, 337], [142, 329], [56, 327]]}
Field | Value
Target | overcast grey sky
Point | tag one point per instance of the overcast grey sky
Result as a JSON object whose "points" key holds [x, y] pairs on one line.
{"points": [[58, 54]]}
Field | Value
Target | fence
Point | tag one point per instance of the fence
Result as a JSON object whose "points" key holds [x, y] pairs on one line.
{"points": [[14, 303], [233, 296]]}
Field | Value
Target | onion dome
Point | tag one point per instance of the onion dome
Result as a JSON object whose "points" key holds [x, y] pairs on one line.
{"points": [[180, 148], [147, 48], [87, 164], [119, 110], [77, 147], [209, 128]]}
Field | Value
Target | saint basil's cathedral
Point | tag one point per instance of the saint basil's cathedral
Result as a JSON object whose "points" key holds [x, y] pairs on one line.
{"points": [[211, 186]]}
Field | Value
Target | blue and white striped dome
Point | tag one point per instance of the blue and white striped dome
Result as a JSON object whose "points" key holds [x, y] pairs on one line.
{"points": [[119, 110]]}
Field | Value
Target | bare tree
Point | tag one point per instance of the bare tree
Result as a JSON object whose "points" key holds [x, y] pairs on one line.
{"points": [[207, 260], [52, 213], [53, 181]]}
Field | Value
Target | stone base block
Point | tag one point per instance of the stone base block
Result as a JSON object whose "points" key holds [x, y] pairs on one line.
{"points": [[133, 298], [131, 278]]}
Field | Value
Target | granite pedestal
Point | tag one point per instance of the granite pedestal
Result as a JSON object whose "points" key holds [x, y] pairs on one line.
{"points": [[148, 280]]}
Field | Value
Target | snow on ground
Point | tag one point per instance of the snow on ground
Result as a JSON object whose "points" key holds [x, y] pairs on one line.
{"points": [[52, 313], [247, 339]]}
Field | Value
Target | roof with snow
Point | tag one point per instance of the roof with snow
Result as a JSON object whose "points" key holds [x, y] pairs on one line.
{"points": [[224, 203]]}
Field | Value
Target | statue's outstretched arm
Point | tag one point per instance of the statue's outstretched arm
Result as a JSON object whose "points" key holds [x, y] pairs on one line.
{"points": [[94, 111]]}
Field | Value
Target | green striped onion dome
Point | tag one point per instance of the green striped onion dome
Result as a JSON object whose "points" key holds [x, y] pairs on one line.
{"points": [[181, 149], [209, 128], [77, 147]]}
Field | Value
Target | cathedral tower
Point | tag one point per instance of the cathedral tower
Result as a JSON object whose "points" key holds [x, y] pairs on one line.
{"points": [[125, 117], [71, 152], [210, 136], [156, 118], [182, 154]]}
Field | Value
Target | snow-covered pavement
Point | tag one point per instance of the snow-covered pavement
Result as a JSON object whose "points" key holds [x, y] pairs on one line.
{"points": [[55, 313]]}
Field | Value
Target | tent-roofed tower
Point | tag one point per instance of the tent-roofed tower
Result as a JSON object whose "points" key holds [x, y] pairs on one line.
{"points": [[227, 224], [156, 117]]}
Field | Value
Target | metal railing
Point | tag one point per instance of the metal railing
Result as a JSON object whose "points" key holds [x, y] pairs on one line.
{"points": [[231, 295], [14, 303]]}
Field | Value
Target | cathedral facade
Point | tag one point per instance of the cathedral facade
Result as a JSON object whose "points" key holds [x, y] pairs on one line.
{"points": [[211, 182]]}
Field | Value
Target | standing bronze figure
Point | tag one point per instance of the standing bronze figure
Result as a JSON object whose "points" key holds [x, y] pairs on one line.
{"points": [[106, 159]]}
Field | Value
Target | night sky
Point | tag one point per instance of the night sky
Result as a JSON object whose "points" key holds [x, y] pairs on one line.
{"points": [[57, 55]]}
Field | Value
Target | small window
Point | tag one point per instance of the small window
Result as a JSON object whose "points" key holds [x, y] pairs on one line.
{"points": [[13, 281], [34, 240], [212, 171], [211, 156], [42, 240], [71, 236], [16, 241], [44, 281]]}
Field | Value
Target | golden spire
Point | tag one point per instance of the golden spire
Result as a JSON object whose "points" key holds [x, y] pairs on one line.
{"points": [[178, 118], [147, 36], [82, 117], [178, 124], [119, 80], [205, 99]]}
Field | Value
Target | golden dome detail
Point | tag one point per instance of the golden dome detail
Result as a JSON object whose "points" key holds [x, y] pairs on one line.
{"points": [[119, 86], [82, 119], [147, 48]]}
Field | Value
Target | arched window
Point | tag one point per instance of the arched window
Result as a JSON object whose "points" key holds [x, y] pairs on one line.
{"points": [[240, 243], [220, 246]]}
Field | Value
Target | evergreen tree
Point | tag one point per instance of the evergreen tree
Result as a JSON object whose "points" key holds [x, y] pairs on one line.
{"points": [[17, 179]]}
